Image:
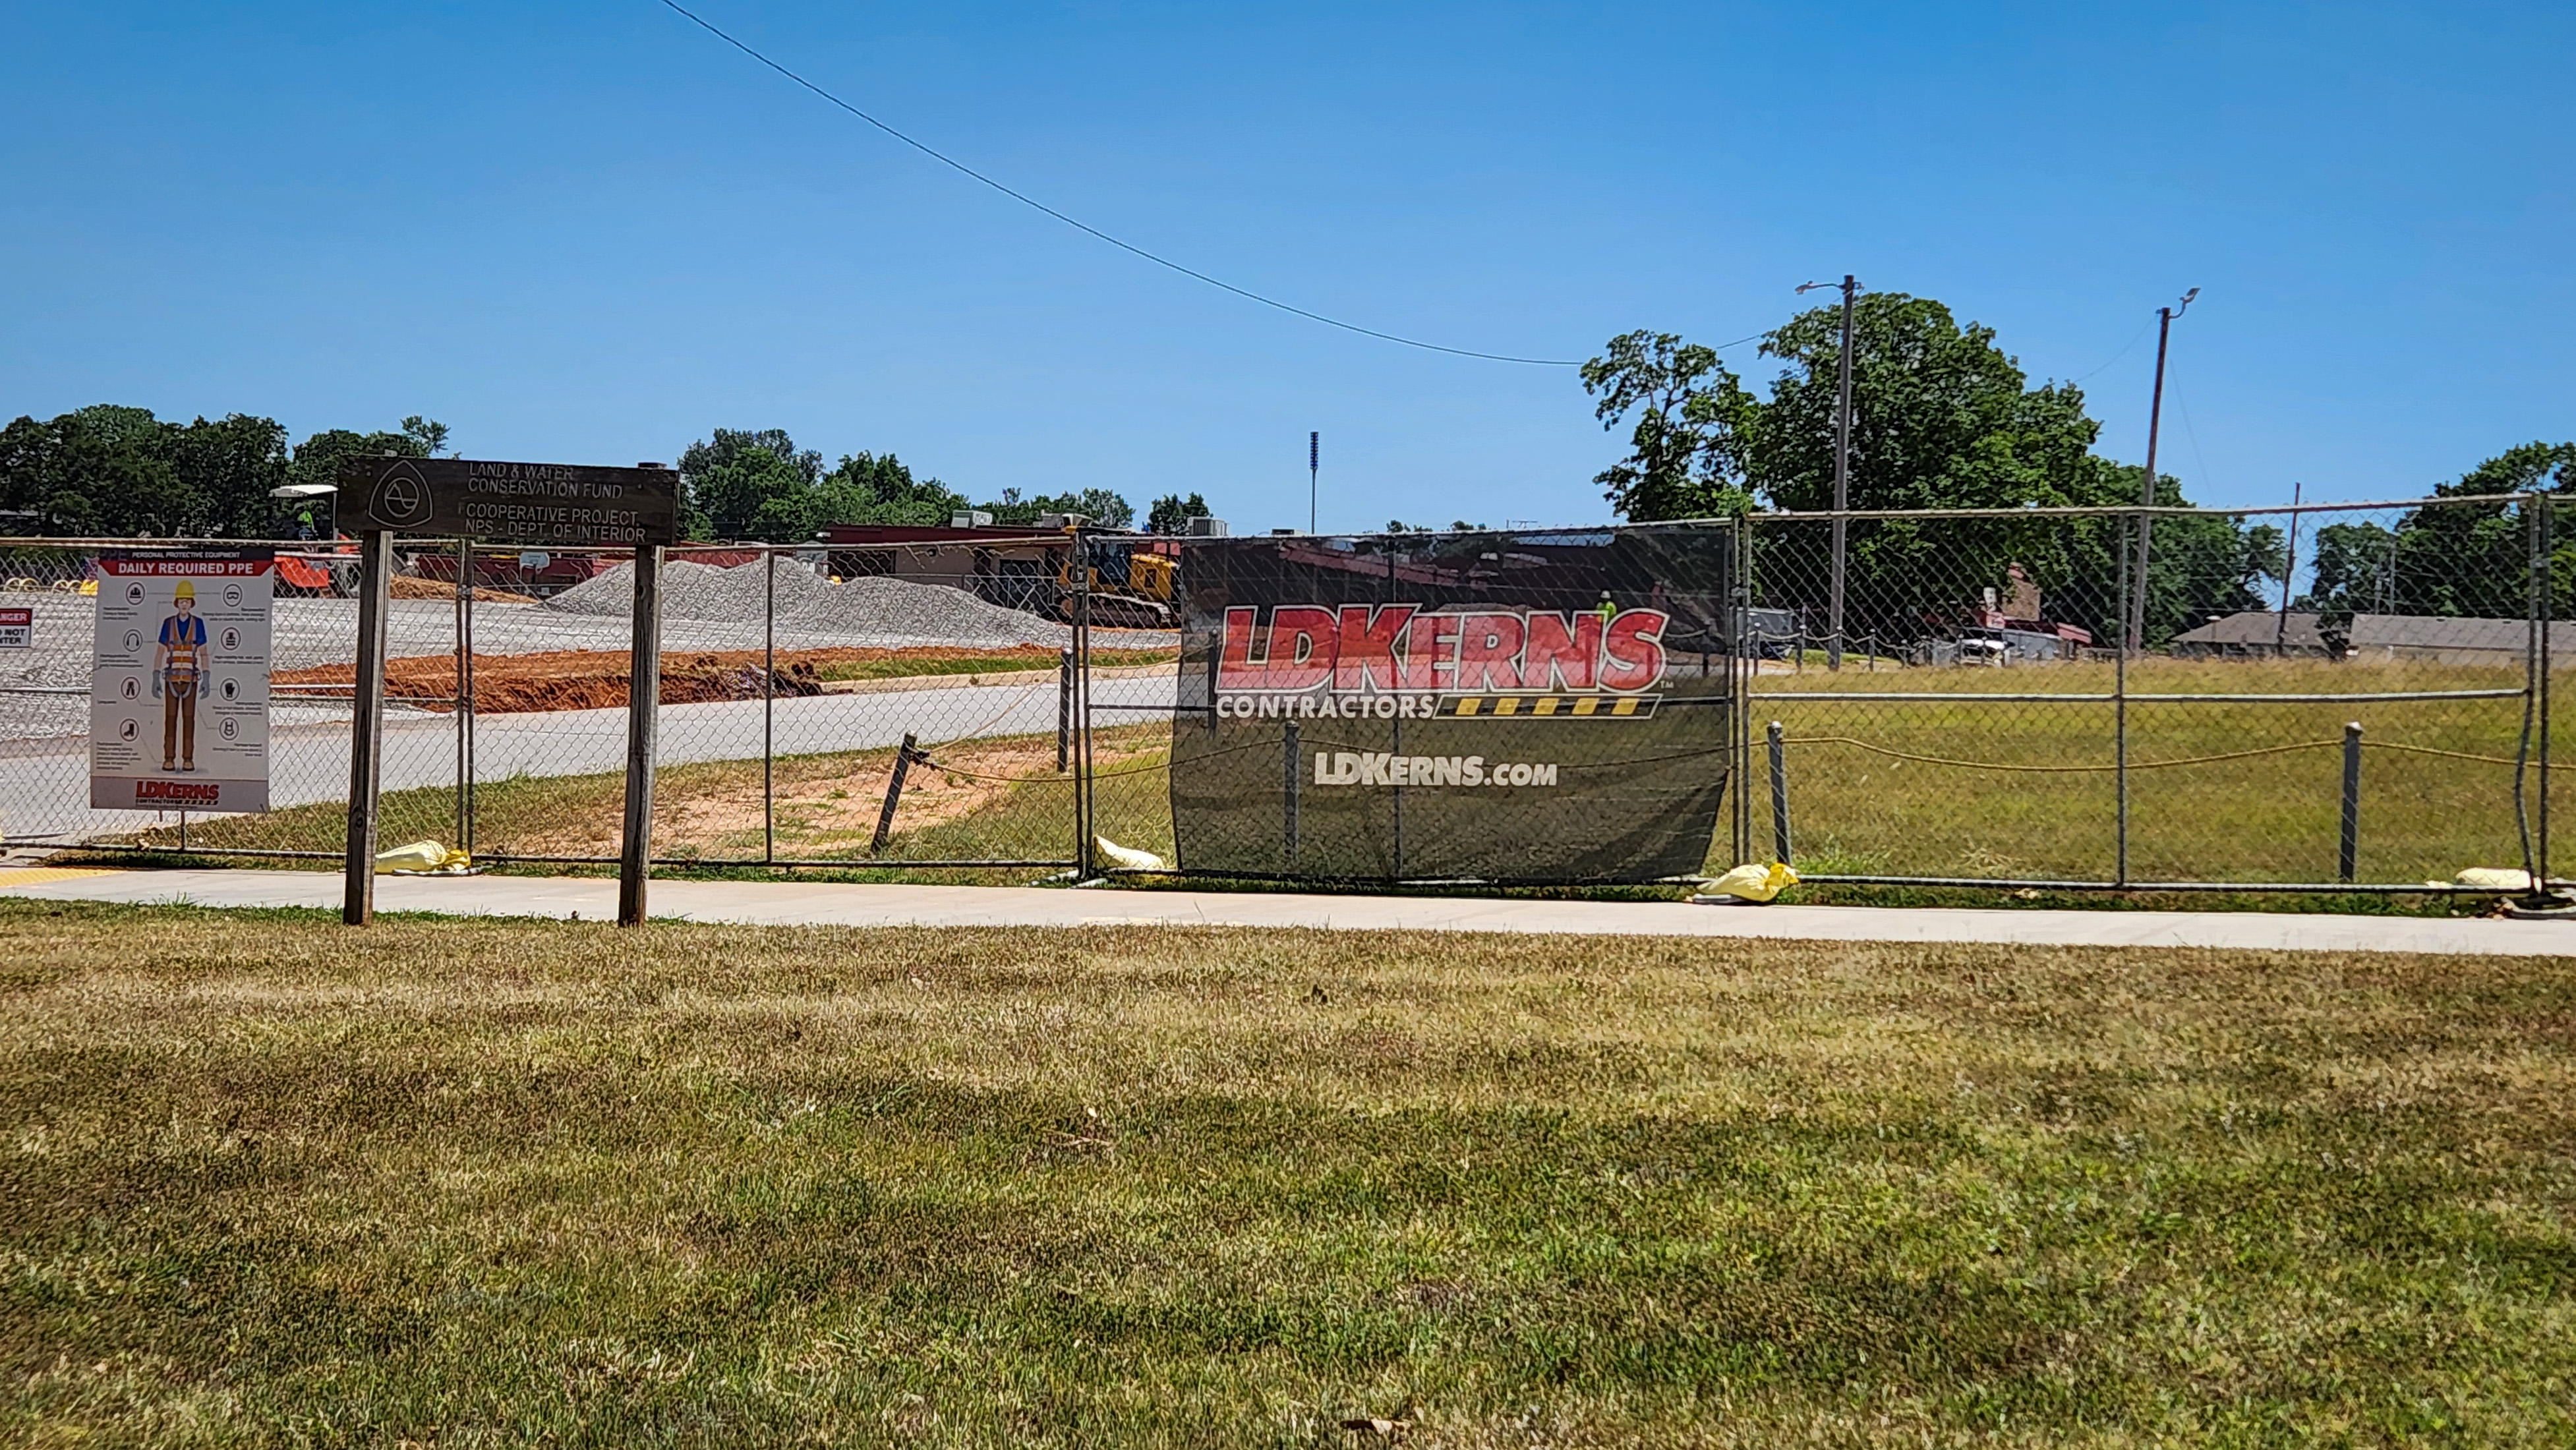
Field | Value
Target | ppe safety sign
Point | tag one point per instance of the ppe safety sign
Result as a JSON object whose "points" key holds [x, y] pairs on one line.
{"points": [[178, 712]]}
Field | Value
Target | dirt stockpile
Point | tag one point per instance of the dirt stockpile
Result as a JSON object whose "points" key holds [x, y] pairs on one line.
{"points": [[597, 679], [895, 611]]}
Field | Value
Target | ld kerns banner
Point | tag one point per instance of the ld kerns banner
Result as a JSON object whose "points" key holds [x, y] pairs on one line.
{"points": [[1496, 706]]}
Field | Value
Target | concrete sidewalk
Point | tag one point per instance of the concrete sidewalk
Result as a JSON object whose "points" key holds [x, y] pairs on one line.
{"points": [[798, 903]]}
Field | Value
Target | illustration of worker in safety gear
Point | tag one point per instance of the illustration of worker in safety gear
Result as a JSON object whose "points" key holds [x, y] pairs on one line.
{"points": [[178, 668]]}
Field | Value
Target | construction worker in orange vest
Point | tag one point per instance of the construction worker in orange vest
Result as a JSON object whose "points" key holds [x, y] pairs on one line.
{"points": [[179, 668]]}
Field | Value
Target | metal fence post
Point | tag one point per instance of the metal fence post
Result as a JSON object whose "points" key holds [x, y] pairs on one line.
{"points": [[464, 591], [2546, 585], [2348, 852], [1086, 829], [1743, 658], [473, 722], [1779, 797], [769, 713], [2120, 700]]}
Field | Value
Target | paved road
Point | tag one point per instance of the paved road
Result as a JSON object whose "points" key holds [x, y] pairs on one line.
{"points": [[44, 784], [797, 903]]}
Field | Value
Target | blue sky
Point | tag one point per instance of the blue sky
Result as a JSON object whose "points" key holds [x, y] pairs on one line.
{"points": [[588, 232]]}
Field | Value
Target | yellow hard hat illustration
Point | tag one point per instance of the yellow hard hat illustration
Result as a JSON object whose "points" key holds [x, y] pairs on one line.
{"points": [[187, 590]]}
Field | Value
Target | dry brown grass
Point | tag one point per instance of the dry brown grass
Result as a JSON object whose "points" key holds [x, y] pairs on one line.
{"points": [[272, 1181]]}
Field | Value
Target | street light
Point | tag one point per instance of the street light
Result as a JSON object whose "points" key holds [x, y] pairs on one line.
{"points": [[2137, 642], [1842, 474]]}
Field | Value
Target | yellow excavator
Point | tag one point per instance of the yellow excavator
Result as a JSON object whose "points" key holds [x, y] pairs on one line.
{"points": [[1131, 577]]}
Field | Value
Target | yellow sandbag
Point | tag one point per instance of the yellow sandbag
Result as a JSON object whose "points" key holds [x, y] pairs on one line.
{"points": [[1753, 882], [421, 856]]}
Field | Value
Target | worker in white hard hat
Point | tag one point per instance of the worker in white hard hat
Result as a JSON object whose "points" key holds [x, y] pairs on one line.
{"points": [[179, 665]]}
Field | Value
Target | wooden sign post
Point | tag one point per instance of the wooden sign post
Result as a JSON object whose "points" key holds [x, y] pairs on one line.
{"points": [[535, 504], [367, 725], [643, 691]]}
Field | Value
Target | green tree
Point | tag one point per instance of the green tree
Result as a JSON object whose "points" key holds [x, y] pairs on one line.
{"points": [[1942, 418], [726, 485], [230, 465], [1681, 461], [428, 433], [1104, 508], [117, 471], [1171, 514], [2469, 558], [756, 494], [318, 458], [879, 489]]}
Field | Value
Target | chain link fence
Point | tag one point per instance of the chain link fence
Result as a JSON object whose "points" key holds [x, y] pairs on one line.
{"points": [[2334, 697], [804, 721]]}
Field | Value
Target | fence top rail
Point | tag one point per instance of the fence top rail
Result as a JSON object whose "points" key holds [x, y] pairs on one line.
{"points": [[332, 548], [2130, 510], [2394, 697]]}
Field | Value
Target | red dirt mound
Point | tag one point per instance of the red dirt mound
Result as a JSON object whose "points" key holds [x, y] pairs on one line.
{"points": [[597, 679]]}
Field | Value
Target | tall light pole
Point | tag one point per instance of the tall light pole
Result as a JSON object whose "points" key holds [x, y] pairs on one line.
{"points": [[2137, 642], [1314, 465], [1842, 475]]}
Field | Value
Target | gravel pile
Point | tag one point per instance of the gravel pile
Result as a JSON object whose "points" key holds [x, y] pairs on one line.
{"points": [[874, 609], [879, 605], [698, 591]]}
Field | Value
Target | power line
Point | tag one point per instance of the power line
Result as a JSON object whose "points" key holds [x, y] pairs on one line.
{"points": [[1159, 261], [2123, 352]]}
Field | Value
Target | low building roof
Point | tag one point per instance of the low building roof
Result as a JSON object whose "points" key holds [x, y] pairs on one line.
{"points": [[2445, 631], [2257, 629]]}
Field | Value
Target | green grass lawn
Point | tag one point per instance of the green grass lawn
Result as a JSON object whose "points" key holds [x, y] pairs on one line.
{"points": [[2023, 788], [272, 1181]]}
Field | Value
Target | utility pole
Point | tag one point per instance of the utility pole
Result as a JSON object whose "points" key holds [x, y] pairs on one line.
{"points": [[2137, 641], [1842, 475], [1314, 462], [2289, 571]]}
